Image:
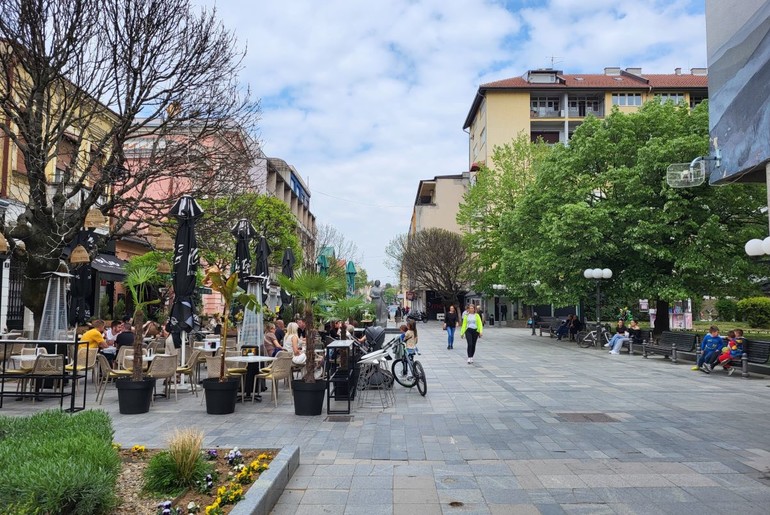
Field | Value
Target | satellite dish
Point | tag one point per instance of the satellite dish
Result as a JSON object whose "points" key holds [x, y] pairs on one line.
{"points": [[686, 175]]}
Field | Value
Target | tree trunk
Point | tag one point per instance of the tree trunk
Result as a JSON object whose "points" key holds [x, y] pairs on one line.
{"points": [[137, 372], [309, 375], [661, 317]]}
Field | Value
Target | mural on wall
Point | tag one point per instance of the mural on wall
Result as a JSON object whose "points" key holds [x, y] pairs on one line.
{"points": [[738, 38]]}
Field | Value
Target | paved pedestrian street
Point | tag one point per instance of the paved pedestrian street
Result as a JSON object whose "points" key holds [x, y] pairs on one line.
{"points": [[533, 426]]}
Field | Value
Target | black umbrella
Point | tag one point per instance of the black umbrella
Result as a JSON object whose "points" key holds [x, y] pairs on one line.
{"points": [[186, 259], [287, 269], [80, 284], [243, 232], [262, 253]]}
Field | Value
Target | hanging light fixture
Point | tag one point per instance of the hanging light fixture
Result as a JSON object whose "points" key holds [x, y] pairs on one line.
{"points": [[79, 256], [95, 220], [163, 267], [3, 244]]}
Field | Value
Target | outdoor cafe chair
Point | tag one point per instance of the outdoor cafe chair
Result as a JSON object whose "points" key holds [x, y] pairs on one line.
{"points": [[86, 361], [191, 369], [279, 369], [45, 365], [105, 373], [163, 366]]}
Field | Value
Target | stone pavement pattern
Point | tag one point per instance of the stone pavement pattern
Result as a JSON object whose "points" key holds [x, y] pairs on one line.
{"points": [[533, 426]]}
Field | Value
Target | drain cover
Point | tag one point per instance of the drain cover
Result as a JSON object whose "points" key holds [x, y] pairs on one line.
{"points": [[586, 417], [339, 418]]}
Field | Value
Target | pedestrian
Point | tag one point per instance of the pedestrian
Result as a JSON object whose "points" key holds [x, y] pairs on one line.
{"points": [[451, 321], [503, 312], [472, 328]]}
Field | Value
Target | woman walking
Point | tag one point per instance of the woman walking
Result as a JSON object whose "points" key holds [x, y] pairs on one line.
{"points": [[472, 329], [450, 324]]}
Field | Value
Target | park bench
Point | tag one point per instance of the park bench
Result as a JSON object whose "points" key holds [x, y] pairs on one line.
{"points": [[631, 343], [669, 343], [549, 325], [754, 351]]}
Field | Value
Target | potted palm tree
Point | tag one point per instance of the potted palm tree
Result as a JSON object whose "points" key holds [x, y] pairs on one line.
{"points": [[135, 393], [222, 392], [310, 288]]}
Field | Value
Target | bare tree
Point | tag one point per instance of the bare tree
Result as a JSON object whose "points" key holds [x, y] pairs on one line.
{"points": [[431, 259], [328, 236], [105, 100]]}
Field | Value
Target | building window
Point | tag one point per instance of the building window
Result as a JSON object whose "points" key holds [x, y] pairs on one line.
{"points": [[626, 99], [676, 98], [544, 106], [583, 106], [696, 99]]}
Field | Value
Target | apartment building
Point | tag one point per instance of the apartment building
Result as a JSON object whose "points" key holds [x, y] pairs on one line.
{"points": [[551, 104]]}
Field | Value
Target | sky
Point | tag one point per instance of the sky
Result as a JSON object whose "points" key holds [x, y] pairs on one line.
{"points": [[365, 98]]}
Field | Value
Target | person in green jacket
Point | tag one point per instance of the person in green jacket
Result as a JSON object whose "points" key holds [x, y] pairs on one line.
{"points": [[472, 328]]}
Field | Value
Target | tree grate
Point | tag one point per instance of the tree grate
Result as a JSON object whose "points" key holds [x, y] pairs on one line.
{"points": [[585, 417], [339, 418]]}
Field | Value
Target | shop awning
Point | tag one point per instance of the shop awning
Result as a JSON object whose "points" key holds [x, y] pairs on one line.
{"points": [[110, 268]]}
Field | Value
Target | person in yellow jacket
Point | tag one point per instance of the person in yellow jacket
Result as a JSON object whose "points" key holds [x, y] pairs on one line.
{"points": [[472, 328], [93, 337]]}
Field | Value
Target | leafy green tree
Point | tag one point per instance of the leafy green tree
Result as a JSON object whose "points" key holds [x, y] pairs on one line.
{"points": [[603, 202], [270, 216], [496, 191]]}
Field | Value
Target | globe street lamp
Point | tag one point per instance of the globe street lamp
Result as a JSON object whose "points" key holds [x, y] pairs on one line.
{"points": [[757, 247], [598, 274]]}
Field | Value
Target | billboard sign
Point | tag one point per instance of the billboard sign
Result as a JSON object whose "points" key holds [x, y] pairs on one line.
{"points": [[739, 87]]}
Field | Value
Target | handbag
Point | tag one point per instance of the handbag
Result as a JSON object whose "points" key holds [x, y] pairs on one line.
{"points": [[444, 328], [299, 359]]}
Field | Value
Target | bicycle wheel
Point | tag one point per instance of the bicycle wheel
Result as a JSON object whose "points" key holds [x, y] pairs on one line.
{"points": [[397, 368], [606, 337], [588, 340], [419, 375]]}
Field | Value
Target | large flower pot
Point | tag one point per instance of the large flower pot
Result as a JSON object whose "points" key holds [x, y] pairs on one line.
{"points": [[134, 397], [220, 396], [308, 397]]}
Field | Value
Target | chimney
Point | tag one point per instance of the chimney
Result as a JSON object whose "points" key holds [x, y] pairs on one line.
{"points": [[612, 70], [677, 71], [702, 72], [634, 71]]}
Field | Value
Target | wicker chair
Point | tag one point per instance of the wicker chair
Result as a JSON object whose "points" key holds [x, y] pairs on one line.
{"points": [[191, 369], [164, 367], [105, 372], [86, 361], [278, 370], [46, 365]]}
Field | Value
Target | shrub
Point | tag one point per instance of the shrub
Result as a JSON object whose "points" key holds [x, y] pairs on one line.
{"points": [[53, 462], [727, 309], [182, 466], [756, 310]]}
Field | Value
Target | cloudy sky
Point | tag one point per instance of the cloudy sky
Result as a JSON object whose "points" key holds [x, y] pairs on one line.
{"points": [[367, 97]]}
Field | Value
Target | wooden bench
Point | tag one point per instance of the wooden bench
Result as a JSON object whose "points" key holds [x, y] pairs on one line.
{"points": [[669, 343], [549, 325], [754, 351]]}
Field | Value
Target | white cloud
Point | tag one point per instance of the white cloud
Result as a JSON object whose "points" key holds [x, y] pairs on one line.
{"points": [[367, 98]]}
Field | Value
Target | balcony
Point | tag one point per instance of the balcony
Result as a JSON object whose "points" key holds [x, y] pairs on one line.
{"points": [[543, 112]]}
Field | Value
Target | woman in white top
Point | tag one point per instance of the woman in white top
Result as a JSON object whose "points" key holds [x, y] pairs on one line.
{"points": [[291, 338], [472, 328]]}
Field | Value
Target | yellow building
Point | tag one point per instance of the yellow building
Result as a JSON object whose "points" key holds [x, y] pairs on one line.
{"points": [[550, 104]]}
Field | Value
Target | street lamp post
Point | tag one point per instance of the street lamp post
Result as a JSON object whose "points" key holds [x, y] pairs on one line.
{"points": [[598, 274]]}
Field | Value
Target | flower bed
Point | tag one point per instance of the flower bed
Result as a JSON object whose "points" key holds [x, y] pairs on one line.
{"points": [[233, 471]]}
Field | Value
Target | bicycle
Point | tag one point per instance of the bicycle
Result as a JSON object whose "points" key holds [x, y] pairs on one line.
{"points": [[411, 372], [595, 339]]}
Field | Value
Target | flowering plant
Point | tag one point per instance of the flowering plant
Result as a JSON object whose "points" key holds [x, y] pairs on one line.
{"points": [[165, 508], [138, 449], [234, 457], [211, 454], [206, 485], [193, 507]]}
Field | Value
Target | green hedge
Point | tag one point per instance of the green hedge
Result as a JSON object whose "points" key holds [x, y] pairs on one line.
{"points": [[756, 311], [727, 310], [53, 462]]}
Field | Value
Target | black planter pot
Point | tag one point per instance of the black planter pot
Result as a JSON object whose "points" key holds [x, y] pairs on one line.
{"points": [[308, 397], [220, 397], [134, 397]]}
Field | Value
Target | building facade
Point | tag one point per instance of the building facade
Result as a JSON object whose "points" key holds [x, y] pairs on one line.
{"points": [[550, 104]]}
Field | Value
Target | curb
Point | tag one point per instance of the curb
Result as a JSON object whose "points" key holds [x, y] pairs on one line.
{"points": [[266, 490]]}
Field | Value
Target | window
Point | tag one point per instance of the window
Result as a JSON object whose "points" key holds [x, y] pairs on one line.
{"points": [[697, 98], [544, 106], [626, 99], [676, 98]]}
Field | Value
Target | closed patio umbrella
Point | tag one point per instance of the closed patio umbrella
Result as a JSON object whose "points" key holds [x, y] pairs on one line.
{"points": [[350, 274], [243, 232], [186, 260], [287, 269]]}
